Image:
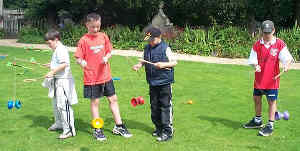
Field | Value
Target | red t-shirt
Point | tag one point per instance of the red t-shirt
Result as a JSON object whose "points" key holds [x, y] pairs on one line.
{"points": [[92, 49], [269, 62]]}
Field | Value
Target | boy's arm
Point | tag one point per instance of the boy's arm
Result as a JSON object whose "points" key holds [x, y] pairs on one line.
{"points": [[79, 55], [172, 60], [252, 61], [108, 49], [58, 69], [285, 58], [138, 65]]}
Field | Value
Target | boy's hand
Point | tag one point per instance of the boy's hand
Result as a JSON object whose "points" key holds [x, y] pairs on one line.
{"points": [[159, 65], [257, 68], [46, 65], [50, 74], [137, 67], [105, 60], [82, 63], [285, 68]]}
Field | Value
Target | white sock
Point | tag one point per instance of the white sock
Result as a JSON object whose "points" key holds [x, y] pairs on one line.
{"points": [[271, 123], [257, 119]]}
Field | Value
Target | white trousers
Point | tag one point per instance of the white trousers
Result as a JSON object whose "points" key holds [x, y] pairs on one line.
{"points": [[63, 112]]}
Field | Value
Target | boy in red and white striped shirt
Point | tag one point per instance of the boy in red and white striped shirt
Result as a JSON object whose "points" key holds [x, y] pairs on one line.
{"points": [[264, 57]]}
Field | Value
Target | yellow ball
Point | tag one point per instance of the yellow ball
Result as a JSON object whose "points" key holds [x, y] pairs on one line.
{"points": [[190, 102], [97, 123]]}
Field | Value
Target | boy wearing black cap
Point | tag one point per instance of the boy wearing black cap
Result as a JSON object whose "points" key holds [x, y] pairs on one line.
{"points": [[264, 57], [160, 76]]}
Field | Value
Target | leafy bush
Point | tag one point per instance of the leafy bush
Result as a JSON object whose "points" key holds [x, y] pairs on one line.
{"points": [[219, 41], [123, 37], [292, 39], [71, 34], [30, 34], [2, 33]]}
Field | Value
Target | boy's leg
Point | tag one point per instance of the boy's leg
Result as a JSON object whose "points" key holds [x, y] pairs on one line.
{"points": [[114, 107], [155, 110], [257, 105], [57, 118], [165, 99], [68, 122], [272, 109], [94, 92], [272, 97], [66, 114], [119, 128], [94, 104], [256, 122]]}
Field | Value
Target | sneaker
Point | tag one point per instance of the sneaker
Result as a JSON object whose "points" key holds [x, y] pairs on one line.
{"points": [[164, 137], [99, 135], [54, 127], [253, 124], [266, 131], [66, 135], [156, 133], [121, 130]]}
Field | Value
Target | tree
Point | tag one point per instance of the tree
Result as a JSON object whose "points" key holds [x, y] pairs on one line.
{"points": [[297, 11]]}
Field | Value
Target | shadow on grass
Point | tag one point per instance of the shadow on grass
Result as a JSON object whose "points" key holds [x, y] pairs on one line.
{"points": [[39, 121], [254, 147], [84, 149], [131, 124], [83, 126], [226, 122], [46, 122]]}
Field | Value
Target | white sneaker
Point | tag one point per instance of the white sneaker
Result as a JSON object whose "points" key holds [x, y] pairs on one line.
{"points": [[66, 135], [122, 130], [54, 127]]}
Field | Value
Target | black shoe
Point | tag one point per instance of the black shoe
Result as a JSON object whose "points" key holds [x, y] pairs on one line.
{"points": [[156, 133], [121, 130], [266, 131], [164, 137], [253, 124], [99, 135]]}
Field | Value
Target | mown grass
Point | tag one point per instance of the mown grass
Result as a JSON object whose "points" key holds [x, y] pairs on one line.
{"points": [[222, 102]]}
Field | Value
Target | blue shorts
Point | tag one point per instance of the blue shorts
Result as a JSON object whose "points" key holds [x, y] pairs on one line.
{"points": [[271, 94]]}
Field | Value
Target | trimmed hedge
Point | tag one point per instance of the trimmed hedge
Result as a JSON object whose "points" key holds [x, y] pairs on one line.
{"points": [[230, 42]]}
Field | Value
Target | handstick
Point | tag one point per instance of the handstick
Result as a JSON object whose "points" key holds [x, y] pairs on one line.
{"points": [[278, 75], [142, 60], [145, 61], [30, 62], [33, 80]]}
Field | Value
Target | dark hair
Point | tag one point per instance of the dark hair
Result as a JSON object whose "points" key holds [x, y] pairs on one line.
{"points": [[51, 35], [92, 17]]}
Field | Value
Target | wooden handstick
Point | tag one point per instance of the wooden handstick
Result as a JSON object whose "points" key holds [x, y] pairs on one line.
{"points": [[33, 80], [145, 61], [278, 75]]}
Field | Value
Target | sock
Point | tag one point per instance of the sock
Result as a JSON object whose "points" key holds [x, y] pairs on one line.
{"points": [[119, 125], [257, 119], [271, 123]]}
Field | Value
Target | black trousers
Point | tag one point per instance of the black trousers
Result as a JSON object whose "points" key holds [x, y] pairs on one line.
{"points": [[162, 108]]}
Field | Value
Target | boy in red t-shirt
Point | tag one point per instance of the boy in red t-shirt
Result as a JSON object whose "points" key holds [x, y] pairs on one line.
{"points": [[92, 54], [264, 57]]}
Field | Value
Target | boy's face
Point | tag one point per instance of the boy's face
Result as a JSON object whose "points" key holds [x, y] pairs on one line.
{"points": [[268, 36], [155, 41], [52, 43], [93, 27]]}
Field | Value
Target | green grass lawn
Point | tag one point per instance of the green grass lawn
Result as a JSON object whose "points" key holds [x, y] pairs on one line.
{"points": [[222, 102]]}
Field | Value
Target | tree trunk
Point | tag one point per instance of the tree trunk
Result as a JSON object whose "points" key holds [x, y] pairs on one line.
{"points": [[297, 11], [51, 16]]}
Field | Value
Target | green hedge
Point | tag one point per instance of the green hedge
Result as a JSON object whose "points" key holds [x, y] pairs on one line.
{"points": [[230, 42], [2, 33]]}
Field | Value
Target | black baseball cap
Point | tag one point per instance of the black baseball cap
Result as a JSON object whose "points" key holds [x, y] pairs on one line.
{"points": [[151, 33], [267, 26]]}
